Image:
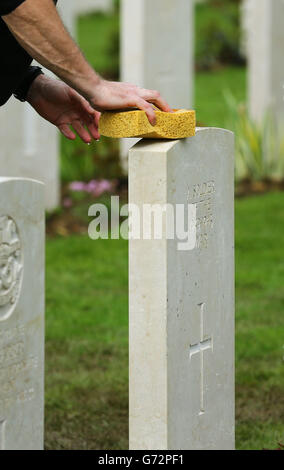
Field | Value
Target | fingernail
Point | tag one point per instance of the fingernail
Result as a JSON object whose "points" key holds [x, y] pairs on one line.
{"points": [[97, 140]]}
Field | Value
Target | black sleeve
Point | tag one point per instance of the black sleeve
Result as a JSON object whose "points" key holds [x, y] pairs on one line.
{"points": [[7, 6], [22, 91], [15, 62]]}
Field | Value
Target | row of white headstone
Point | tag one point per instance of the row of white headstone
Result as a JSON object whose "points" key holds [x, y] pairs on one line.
{"points": [[181, 304], [157, 53]]}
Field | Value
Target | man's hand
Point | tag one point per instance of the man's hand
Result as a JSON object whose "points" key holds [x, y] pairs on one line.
{"points": [[62, 106], [115, 95]]}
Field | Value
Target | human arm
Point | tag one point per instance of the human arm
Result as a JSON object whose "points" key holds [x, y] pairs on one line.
{"points": [[38, 28]]}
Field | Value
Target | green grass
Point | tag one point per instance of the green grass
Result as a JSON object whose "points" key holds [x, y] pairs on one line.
{"points": [[260, 321], [210, 103], [86, 344], [87, 318], [98, 36]]}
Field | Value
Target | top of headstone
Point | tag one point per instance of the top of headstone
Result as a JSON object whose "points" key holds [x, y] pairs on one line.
{"points": [[165, 145]]}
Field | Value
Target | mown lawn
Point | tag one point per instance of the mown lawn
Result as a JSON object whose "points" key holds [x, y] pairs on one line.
{"points": [[86, 349], [86, 346], [210, 88], [260, 321]]}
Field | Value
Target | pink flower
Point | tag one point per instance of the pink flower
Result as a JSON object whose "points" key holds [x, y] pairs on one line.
{"points": [[105, 185], [77, 186], [67, 202], [92, 186], [95, 187]]}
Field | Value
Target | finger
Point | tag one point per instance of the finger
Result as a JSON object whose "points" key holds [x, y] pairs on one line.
{"points": [[80, 101], [93, 129], [81, 131], [66, 131], [154, 97], [92, 124], [149, 110], [97, 122], [87, 107], [97, 118]]}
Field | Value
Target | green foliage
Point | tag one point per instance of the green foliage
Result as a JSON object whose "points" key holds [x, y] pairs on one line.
{"points": [[98, 36], [85, 162], [211, 106], [217, 36], [259, 147]]}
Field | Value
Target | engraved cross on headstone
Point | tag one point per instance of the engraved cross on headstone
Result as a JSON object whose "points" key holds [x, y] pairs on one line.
{"points": [[199, 348], [2, 434]]}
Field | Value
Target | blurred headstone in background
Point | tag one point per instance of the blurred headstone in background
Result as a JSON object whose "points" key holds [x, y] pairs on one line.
{"points": [[29, 148], [30, 145], [265, 58], [68, 12], [157, 51], [90, 6], [245, 25]]}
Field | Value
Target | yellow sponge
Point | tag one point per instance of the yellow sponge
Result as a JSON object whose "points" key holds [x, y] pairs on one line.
{"points": [[134, 123]]}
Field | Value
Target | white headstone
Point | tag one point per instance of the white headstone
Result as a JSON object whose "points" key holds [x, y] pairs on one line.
{"points": [[30, 148], [68, 13], [90, 6], [70, 10], [265, 55], [182, 302], [157, 51], [245, 13], [21, 314]]}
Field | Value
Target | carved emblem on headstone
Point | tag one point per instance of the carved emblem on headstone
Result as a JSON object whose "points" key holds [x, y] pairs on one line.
{"points": [[11, 266]]}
